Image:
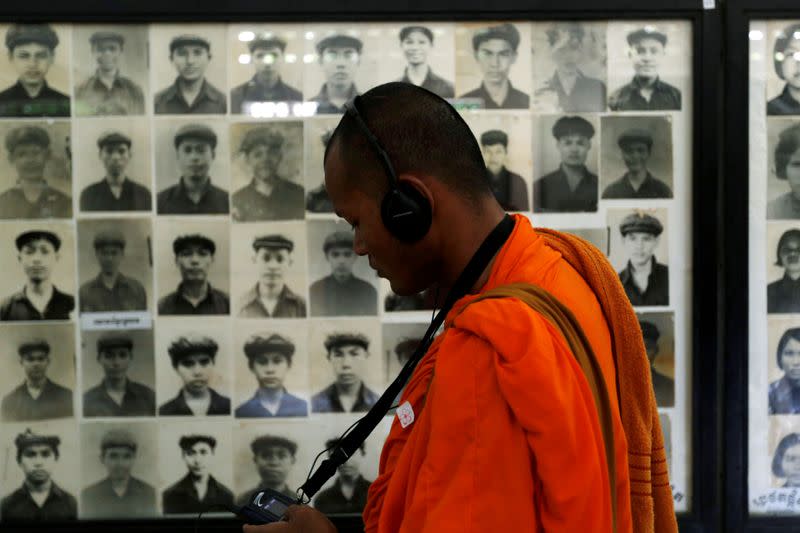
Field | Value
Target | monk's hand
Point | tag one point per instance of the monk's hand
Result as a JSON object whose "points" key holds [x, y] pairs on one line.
{"points": [[298, 519]]}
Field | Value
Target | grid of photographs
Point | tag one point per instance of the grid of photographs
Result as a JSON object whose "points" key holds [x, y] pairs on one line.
{"points": [[183, 315]]}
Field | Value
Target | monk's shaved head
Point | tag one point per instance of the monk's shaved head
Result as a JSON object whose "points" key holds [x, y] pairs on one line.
{"points": [[423, 135]]}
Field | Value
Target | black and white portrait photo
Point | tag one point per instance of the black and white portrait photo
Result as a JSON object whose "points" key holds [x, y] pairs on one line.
{"points": [[269, 279], [568, 158], [568, 66], [400, 340], [783, 72], [786, 457], [639, 254], [648, 65], [119, 469], [191, 168], [40, 282], [318, 132], [344, 284], [39, 375], [273, 361], [783, 356], [348, 494], [493, 65], [35, 176], [113, 172], [266, 66], [193, 269], [110, 69], [273, 457], [783, 263], [35, 79], [637, 157], [118, 373], [427, 53], [267, 171], [115, 265], [658, 332], [189, 69], [421, 301], [783, 140]]}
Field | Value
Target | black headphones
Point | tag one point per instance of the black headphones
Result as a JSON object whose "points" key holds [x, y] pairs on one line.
{"points": [[405, 212]]}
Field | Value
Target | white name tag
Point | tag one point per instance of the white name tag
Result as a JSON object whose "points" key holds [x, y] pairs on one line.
{"points": [[405, 413]]}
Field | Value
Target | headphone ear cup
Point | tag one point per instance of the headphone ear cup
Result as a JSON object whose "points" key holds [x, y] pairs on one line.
{"points": [[406, 213]]}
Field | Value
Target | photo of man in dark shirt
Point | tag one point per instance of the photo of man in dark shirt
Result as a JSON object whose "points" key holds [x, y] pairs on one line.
{"points": [[267, 57], [341, 293], [198, 490], [347, 354], [194, 256], [636, 145], [340, 57], [785, 50], [268, 196], [783, 295], [273, 457], [416, 42], [191, 92], [317, 199], [31, 52], [271, 297], [119, 494], [508, 187], [572, 187], [348, 495], [111, 290], [194, 194], [194, 360], [663, 385], [38, 397], [269, 358], [117, 394], [115, 191], [108, 92], [495, 51], [645, 280], [39, 299], [39, 499]]}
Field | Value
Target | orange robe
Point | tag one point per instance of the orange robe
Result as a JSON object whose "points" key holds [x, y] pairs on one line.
{"points": [[506, 436]]}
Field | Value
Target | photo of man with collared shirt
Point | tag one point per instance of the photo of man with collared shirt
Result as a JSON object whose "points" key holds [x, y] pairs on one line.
{"points": [[271, 297], [32, 196], [269, 358], [31, 52], [108, 92], [194, 257], [191, 92], [508, 187], [636, 149], [194, 194], [38, 397], [340, 57], [495, 52], [111, 290], [198, 490], [39, 499], [194, 360], [267, 55], [348, 495], [347, 354], [416, 43], [116, 191], [273, 457], [39, 299], [645, 280], [783, 294], [117, 394]]}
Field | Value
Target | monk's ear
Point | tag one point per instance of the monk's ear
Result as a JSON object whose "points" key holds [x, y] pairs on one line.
{"points": [[419, 184]]}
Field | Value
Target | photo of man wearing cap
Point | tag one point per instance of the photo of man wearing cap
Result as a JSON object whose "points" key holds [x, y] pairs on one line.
{"points": [[508, 187], [111, 290], [340, 56], [787, 68], [28, 150], [416, 43], [647, 91], [663, 384], [572, 187], [37, 397], [636, 147], [194, 194], [119, 494], [341, 293], [273, 457], [783, 295], [268, 196], [31, 52], [194, 359], [495, 51], [191, 92], [115, 191], [267, 57], [271, 297], [194, 256], [347, 354], [645, 280], [348, 495], [39, 299], [317, 199], [117, 394], [269, 358], [198, 490], [108, 92]]}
